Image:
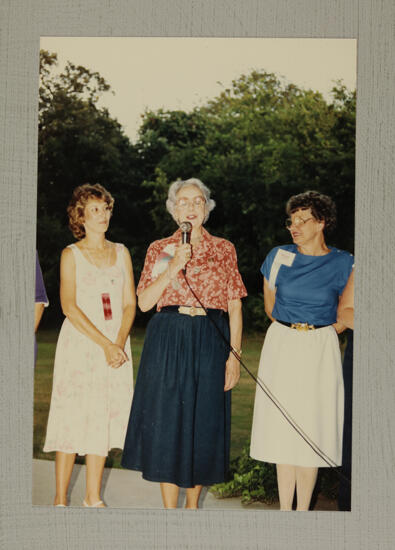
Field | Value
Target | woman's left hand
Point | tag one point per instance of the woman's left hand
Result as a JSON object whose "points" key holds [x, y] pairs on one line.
{"points": [[115, 356], [119, 361], [122, 357], [232, 372], [339, 327]]}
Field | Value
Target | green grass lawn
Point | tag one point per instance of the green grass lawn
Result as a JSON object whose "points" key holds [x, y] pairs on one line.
{"points": [[242, 395]]}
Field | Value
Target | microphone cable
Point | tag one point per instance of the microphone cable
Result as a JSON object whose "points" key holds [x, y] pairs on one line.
{"points": [[331, 463]]}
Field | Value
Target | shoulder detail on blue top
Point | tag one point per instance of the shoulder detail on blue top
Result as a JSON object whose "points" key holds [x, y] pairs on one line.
{"points": [[346, 257], [338, 250]]}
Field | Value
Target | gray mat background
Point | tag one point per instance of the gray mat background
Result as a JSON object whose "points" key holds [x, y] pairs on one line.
{"points": [[370, 524]]}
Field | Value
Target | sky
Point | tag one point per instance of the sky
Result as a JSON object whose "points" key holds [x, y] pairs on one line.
{"points": [[182, 73]]}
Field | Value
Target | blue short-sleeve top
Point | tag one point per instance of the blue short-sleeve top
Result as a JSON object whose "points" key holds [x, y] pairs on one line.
{"points": [[307, 287]]}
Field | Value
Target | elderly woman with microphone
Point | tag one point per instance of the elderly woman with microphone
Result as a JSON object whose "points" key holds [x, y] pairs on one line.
{"points": [[179, 427]]}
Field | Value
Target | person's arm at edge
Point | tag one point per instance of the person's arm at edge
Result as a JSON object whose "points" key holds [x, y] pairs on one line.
{"points": [[38, 313], [345, 310], [41, 298]]}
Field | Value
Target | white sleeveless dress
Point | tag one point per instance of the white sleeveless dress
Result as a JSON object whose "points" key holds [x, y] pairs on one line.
{"points": [[91, 401]]}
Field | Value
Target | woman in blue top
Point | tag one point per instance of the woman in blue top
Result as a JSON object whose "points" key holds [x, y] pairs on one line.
{"points": [[300, 361]]}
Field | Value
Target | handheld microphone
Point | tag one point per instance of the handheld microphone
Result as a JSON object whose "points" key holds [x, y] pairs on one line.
{"points": [[186, 228]]}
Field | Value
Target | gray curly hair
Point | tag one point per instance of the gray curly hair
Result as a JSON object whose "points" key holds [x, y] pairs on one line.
{"points": [[176, 186]]}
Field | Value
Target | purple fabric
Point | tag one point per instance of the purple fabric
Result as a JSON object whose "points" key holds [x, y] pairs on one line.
{"points": [[41, 294]]}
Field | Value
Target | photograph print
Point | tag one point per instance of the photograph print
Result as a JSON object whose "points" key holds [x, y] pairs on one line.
{"points": [[194, 280]]}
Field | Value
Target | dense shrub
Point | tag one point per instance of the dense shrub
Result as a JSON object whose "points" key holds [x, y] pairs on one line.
{"points": [[256, 481], [250, 479]]}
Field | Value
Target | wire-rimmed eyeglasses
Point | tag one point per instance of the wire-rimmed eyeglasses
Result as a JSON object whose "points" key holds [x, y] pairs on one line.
{"points": [[297, 221], [197, 201]]}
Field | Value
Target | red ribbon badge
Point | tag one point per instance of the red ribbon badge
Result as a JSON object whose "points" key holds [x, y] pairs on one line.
{"points": [[105, 298]]}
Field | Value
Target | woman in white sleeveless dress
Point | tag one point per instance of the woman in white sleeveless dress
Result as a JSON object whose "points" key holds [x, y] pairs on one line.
{"points": [[93, 374]]}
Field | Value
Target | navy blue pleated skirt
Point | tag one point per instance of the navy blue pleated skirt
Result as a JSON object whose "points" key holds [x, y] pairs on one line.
{"points": [[179, 426]]}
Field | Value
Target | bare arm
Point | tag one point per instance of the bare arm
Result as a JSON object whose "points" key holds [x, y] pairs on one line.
{"points": [[76, 316], [345, 311], [269, 296], [38, 313], [150, 295], [232, 369], [129, 302]]}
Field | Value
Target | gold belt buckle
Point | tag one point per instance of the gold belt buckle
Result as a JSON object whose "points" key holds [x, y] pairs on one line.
{"points": [[302, 326], [192, 311]]}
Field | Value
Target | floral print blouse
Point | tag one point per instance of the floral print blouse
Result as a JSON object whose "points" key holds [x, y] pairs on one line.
{"points": [[212, 273]]}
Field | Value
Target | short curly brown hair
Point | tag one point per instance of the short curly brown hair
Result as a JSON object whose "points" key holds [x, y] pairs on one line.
{"points": [[76, 208], [322, 207]]}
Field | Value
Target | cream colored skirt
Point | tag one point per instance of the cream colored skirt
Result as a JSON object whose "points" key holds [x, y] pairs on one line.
{"points": [[303, 371]]}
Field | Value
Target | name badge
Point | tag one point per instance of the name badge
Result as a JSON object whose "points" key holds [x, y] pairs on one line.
{"points": [[283, 257], [105, 298]]}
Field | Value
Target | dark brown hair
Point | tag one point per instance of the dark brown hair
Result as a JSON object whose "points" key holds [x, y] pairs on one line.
{"points": [[76, 208], [322, 207]]}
